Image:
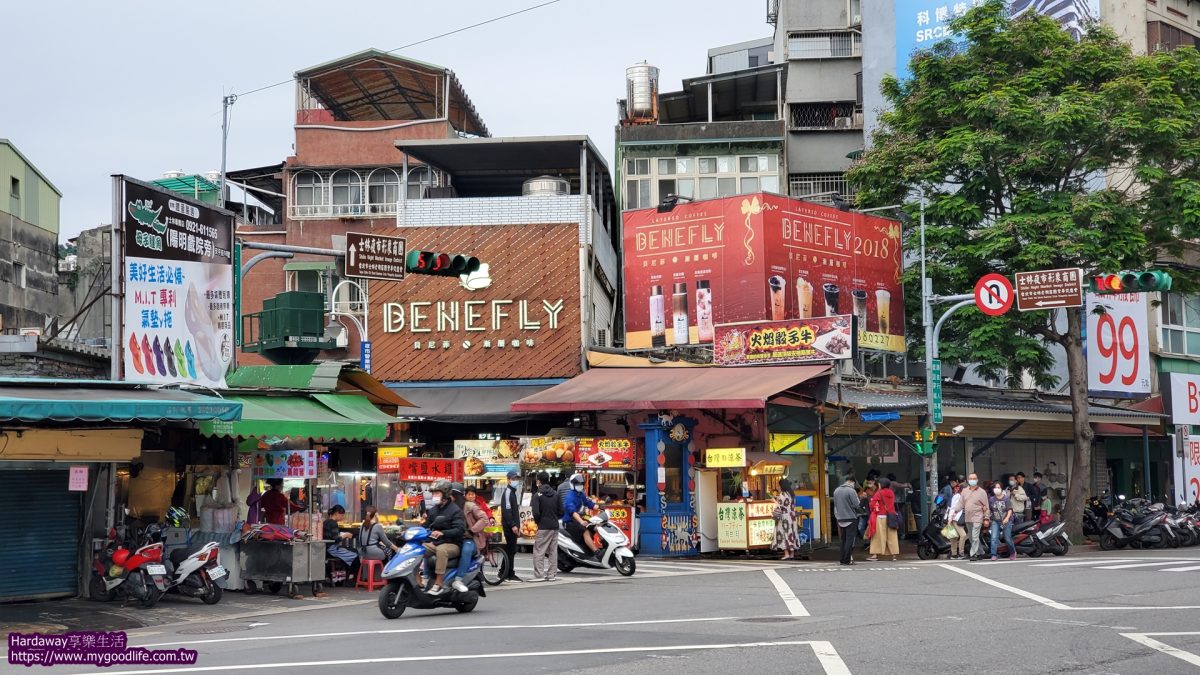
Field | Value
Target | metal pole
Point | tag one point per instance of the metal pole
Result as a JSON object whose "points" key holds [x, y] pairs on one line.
{"points": [[116, 231], [259, 258], [930, 350], [1146, 461], [226, 103]]}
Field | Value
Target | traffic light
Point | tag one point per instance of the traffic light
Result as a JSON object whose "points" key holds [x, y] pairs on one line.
{"points": [[924, 442], [1149, 281], [440, 264]]}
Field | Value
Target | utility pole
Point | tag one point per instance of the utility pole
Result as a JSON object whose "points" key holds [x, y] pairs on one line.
{"points": [[226, 103]]}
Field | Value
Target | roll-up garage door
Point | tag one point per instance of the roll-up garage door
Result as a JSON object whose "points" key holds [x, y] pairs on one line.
{"points": [[39, 535]]}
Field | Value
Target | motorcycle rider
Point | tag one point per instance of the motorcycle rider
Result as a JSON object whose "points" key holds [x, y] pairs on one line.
{"points": [[446, 525], [573, 522], [474, 539]]}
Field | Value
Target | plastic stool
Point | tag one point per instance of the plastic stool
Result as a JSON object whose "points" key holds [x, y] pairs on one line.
{"points": [[368, 568]]}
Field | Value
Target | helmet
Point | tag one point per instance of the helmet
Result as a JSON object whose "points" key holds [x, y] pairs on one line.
{"points": [[442, 486], [176, 516], [120, 556], [456, 488], [578, 479]]}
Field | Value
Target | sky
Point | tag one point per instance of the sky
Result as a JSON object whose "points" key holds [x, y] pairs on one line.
{"points": [[135, 87]]}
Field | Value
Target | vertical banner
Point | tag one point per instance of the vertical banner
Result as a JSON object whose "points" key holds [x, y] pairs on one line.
{"points": [[1118, 345], [1187, 471], [176, 271]]}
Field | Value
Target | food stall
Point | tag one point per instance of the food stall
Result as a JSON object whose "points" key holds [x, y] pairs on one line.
{"points": [[729, 519], [608, 464], [280, 564]]}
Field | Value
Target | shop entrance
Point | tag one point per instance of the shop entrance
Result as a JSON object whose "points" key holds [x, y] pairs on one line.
{"points": [[44, 497]]}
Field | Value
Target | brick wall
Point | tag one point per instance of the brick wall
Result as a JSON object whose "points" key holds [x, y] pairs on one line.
{"points": [[360, 143]]}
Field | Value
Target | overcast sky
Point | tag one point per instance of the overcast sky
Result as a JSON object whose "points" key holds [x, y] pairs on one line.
{"points": [[135, 87]]}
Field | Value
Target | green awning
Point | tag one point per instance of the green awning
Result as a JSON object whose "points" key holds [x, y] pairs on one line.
{"points": [[311, 376], [111, 404], [303, 417], [354, 406]]}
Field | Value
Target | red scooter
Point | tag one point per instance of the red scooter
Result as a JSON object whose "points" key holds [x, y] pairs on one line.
{"points": [[119, 572]]}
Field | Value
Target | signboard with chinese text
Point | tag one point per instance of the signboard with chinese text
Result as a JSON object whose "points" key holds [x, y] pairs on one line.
{"points": [[791, 444], [759, 258], [550, 452], [622, 517], [177, 282], [731, 525], [1187, 471], [77, 481], [760, 509], [761, 532], [725, 458], [780, 342], [1185, 398], [285, 464], [1118, 345], [1048, 289], [387, 460], [427, 470], [375, 256], [605, 453]]}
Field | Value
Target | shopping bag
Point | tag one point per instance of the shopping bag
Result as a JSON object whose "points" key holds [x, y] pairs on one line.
{"points": [[950, 532]]}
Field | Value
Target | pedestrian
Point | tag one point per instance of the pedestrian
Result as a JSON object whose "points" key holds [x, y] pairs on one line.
{"points": [[1020, 499], [948, 489], [787, 523], [954, 517], [864, 509], [883, 527], [846, 510], [547, 512], [1000, 513], [510, 522], [1033, 488], [975, 509]]}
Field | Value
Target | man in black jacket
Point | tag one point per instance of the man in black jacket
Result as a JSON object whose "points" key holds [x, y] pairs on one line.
{"points": [[446, 525], [510, 521], [547, 512]]}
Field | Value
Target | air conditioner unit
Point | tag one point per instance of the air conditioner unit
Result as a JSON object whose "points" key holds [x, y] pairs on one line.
{"points": [[841, 123], [856, 49], [602, 337]]}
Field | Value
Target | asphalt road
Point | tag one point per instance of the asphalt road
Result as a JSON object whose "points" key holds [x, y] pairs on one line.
{"points": [[1084, 613]]}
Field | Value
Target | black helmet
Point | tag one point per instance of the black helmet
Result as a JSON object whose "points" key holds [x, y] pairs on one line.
{"points": [[456, 488], [442, 486]]}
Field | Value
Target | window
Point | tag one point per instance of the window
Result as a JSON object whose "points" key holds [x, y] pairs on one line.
{"points": [[824, 45], [309, 190], [347, 192], [637, 194], [819, 187], [666, 167], [726, 165], [686, 187], [748, 164], [708, 188], [665, 188], [19, 274], [726, 187], [637, 167], [383, 191], [673, 469], [14, 187], [419, 178], [708, 165], [750, 185], [769, 184], [685, 165], [1181, 324]]}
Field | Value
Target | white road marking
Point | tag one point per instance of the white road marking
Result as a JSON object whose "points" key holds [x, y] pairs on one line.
{"points": [[1183, 569], [1005, 587], [1144, 639], [1143, 564], [1082, 562], [826, 655], [394, 631], [789, 598]]}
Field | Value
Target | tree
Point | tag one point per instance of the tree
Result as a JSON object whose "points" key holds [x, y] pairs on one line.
{"points": [[1037, 151]]}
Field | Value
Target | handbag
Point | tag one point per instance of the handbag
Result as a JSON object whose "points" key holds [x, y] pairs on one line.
{"points": [[893, 521], [949, 532]]}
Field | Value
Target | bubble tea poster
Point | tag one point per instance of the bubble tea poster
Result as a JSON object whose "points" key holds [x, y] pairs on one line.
{"points": [[177, 273], [758, 257]]}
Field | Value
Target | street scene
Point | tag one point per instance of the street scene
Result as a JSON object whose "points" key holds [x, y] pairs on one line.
{"points": [[859, 335]]}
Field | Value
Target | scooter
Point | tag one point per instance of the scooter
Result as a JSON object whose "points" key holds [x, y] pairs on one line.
{"points": [[1024, 536], [613, 551], [932, 542], [139, 574], [404, 589], [194, 572], [1124, 529], [1053, 538]]}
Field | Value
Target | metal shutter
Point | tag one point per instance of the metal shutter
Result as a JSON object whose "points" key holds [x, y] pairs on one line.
{"points": [[39, 553]]}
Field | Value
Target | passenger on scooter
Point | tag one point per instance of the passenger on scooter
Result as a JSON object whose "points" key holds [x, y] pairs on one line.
{"points": [[474, 539], [574, 523], [446, 525]]}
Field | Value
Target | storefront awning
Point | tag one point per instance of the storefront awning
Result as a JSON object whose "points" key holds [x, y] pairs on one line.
{"points": [[666, 388], [1153, 405], [65, 401], [467, 404], [319, 417], [326, 376]]}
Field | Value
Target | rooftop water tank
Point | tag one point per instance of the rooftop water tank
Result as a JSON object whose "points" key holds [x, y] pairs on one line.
{"points": [[641, 90], [173, 173], [546, 185]]}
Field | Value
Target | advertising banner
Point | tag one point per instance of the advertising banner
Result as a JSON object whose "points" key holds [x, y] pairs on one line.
{"points": [[177, 276], [387, 460], [545, 452], [1118, 346], [920, 24], [724, 458], [604, 453], [1185, 398], [622, 517], [759, 257], [1187, 471], [731, 525], [285, 464], [781, 342], [426, 470]]}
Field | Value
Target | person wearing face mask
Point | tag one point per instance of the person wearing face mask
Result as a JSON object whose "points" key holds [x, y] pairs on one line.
{"points": [[1000, 511], [1033, 488], [446, 525], [1018, 497], [510, 521], [975, 508], [573, 521]]}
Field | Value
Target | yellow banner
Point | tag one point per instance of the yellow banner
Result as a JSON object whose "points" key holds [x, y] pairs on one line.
{"points": [[791, 444], [722, 458]]}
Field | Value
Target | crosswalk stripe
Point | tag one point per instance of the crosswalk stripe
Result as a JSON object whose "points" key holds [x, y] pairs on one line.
{"points": [[1126, 567], [1082, 562], [1182, 569]]}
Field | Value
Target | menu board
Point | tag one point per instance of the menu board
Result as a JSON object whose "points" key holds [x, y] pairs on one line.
{"points": [[387, 460], [762, 532], [285, 464], [550, 452], [731, 525], [622, 517], [604, 453], [760, 509]]}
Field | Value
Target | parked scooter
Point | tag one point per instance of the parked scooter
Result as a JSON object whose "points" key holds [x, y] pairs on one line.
{"points": [[119, 572], [613, 552], [931, 543], [1024, 536], [1123, 528], [404, 589], [1053, 538], [194, 572]]}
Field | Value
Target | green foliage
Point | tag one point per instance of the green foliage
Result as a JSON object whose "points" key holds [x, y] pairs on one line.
{"points": [[1036, 152]]}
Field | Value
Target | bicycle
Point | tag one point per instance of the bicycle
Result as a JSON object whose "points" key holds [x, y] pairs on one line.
{"points": [[496, 565]]}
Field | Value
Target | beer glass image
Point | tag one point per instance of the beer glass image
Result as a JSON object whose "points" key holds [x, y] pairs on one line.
{"points": [[804, 298], [831, 298], [778, 298], [860, 307], [883, 308]]}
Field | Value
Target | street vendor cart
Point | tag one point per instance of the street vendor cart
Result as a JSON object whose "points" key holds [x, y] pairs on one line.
{"points": [[276, 565]]}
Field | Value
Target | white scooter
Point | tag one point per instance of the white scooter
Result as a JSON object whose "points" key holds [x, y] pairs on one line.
{"points": [[194, 573], [613, 552]]}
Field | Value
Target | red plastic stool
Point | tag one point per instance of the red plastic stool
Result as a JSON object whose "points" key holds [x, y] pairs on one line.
{"points": [[368, 567]]}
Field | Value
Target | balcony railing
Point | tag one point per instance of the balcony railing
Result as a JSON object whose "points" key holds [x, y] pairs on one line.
{"points": [[838, 115], [301, 211]]}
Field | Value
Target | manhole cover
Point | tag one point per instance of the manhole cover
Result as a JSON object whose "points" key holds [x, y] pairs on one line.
{"points": [[212, 630], [770, 619]]}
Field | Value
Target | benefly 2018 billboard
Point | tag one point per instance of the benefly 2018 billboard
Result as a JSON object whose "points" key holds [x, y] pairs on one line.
{"points": [[759, 257]]}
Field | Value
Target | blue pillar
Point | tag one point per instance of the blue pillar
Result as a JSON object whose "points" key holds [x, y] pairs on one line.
{"points": [[669, 528]]}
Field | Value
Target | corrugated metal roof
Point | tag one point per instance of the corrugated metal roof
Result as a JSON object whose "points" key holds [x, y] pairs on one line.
{"points": [[866, 399]]}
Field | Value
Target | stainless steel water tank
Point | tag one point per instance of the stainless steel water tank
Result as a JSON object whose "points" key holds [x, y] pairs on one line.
{"points": [[641, 84], [546, 185]]}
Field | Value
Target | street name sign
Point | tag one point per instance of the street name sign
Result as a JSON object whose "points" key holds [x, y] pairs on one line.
{"points": [[375, 256], [993, 294], [936, 390], [1049, 289]]}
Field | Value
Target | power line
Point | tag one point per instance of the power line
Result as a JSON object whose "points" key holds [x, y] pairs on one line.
{"points": [[428, 39]]}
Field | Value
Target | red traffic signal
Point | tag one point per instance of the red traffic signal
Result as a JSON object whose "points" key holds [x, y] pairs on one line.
{"points": [[440, 264], [1150, 281]]}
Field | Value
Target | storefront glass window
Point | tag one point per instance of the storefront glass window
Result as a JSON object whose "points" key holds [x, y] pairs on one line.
{"points": [[674, 471]]}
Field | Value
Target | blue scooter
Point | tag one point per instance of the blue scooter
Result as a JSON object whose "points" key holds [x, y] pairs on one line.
{"points": [[404, 590]]}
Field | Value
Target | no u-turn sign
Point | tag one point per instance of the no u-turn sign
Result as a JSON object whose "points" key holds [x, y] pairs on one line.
{"points": [[994, 294]]}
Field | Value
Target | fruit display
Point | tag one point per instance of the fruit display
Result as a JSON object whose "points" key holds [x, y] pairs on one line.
{"points": [[528, 529]]}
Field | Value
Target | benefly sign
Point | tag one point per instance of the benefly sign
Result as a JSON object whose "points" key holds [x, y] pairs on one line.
{"points": [[759, 257], [375, 256], [176, 271], [777, 342], [1048, 289]]}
